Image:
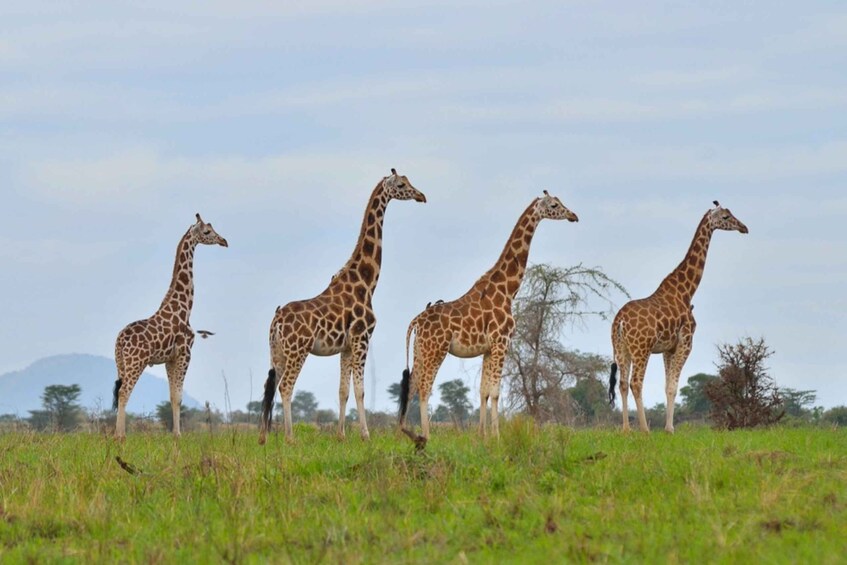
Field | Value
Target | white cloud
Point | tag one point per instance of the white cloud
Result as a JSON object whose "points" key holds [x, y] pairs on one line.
{"points": [[130, 177]]}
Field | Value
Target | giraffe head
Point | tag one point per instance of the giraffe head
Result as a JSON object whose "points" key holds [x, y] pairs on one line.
{"points": [[399, 187], [206, 234], [722, 219], [551, 207]]}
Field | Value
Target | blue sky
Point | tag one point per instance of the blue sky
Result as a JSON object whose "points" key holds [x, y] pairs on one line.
{"points": [[275, 120]]}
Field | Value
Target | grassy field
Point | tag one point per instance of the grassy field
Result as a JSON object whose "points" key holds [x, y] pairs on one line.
{"points": [[536, 496]]}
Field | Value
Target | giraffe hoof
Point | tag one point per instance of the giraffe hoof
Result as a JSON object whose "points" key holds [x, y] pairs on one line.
{"points": [[669, 430]]}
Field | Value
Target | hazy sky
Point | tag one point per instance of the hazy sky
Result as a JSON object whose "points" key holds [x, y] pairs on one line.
{"points": [[275, 120]]}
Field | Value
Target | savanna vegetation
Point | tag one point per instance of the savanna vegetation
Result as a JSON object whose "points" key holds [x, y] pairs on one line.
{"points": [[755, 472], [539, 493]]}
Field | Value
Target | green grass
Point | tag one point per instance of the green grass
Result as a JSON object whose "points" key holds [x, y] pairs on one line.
{"points": [[548, 495]]}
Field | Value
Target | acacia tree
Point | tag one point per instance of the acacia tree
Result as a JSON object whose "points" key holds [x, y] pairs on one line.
{"points": [[798, 403], [695, 402], [538, 367], [61, 410], [454, 395], [744, 395], [304, 406], [591, 399]]}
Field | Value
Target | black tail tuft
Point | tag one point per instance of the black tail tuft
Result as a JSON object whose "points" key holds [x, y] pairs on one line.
{"points": [[115, 394], [404, 392], [612, 382], [268, 400]]}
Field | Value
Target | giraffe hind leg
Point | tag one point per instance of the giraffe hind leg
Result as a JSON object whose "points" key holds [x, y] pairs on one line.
{"points": [[624, 364], [123, 388], [639, 368]]}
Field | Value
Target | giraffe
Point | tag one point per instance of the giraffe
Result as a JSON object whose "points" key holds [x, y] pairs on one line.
{"points": [[478, 323], [664, 322], [340, 320], [166, 336]]}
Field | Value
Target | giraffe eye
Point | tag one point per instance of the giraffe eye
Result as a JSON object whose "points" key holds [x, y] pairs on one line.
{"points": [[726, 217], [554, 205], [401, 185]]}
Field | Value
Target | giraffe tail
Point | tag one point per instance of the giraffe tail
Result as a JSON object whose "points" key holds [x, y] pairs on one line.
{"points": [[119, 361], [405, 384], [612, 382], [268, 401], [412, 327], [116, 393]]}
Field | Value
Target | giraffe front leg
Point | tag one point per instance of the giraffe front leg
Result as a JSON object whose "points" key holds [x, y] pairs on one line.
{"points": [[176, 370], [673, 368], [483, 407], [493, 366], [358, 359], [343, 391]]}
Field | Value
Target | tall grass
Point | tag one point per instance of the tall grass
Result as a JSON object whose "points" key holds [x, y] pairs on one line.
{"points": [[537, 494]]}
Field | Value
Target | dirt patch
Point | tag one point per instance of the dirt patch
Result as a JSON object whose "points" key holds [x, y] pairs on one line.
{"points": [[769, 456], [594, 457], [777, 526], [6, 517]]}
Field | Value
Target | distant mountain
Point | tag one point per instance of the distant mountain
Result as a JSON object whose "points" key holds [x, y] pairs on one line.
{"points": [[20, 391]]}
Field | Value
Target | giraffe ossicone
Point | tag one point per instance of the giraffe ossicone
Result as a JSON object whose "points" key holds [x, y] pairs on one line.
{"points": [[166, 336], [663, 323], [478, 323], [339, 321]]}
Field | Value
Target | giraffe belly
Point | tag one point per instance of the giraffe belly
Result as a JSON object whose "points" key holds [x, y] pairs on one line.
{"points": [[467, 351], [665, 342], [323, 348]]}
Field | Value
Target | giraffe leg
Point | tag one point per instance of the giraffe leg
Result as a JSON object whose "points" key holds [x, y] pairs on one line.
{"points": [[358, 358], [492, 370], [483, 407], [430, 351], [639, 368], [673, 368], [424, 390], [286, 387], [130, 375], [625, 367], [343, 391], [176, 369]]}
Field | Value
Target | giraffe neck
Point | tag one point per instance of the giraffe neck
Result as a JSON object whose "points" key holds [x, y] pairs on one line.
{"points": [[684, 280], [180, 296], [509, 269], [364, 264]]}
